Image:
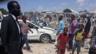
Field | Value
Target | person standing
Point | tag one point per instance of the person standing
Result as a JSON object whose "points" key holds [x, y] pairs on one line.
{"points": [[78, 40], [1, 46], [10, 29], [24, 29], [60, 27], [62, 41], [72, 28], [86, 33], [92, 49]]}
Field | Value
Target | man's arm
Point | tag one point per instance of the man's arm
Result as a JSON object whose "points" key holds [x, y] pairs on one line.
{"points": [[30, 30], [4, 27]]}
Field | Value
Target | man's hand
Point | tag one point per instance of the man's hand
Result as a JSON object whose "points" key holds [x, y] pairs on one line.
{"points": [[31, 31]]}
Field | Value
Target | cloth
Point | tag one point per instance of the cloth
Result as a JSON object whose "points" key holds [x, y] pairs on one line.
{"points": [[72, 29], [62, 41], [71, 36], [79, 36], [85, 35], [92, 51], [78, 46], [94, 31], [2, 51], [86, 43], [10, 35], [87, 26], [25, 41], [73, 26], [24, 27], [16, 22], [60, 27], [61, 51]]}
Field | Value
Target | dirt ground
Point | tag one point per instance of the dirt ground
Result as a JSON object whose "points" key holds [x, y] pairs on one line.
{"points": [[48, 48]]}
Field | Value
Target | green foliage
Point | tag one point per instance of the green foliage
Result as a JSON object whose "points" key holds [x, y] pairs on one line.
{"points": [[2, 0], [3, 11]]}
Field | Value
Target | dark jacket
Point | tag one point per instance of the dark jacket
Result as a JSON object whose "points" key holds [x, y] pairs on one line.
{"points": [[93, 38], [94, 32], [87, 26], [10, 35], [2, 51]]}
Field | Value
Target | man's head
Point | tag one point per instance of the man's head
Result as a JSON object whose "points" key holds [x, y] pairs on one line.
{"points": [[24, 18], [14, 8], [60, 18], [72, 17], [65, 30], [81, 27]]}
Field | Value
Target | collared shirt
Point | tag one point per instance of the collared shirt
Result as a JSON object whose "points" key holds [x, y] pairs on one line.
{"points": [[60, 27], [16, 23]]}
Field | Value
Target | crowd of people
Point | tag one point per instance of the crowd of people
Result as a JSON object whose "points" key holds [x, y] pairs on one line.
{"points": [[14, 34], [78, 36]]}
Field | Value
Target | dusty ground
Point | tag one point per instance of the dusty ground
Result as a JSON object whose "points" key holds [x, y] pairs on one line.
{"points": [[41, 48]]}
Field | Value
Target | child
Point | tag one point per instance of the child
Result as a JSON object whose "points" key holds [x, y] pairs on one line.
{"points": [[78, 39], [62, 41]]}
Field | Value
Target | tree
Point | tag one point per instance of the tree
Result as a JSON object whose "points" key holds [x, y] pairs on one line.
{"points": [[3, 11], [2, 0]]}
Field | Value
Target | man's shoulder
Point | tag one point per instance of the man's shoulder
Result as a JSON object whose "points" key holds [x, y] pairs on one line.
{"points": [[7, 17]]}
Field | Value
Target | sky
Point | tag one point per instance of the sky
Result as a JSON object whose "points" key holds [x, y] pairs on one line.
{"points": [[54, 5]]}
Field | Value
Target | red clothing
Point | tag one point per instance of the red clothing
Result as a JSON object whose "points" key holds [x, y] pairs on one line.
{"points": [[62, 40], [61, 51], [85, 34]]}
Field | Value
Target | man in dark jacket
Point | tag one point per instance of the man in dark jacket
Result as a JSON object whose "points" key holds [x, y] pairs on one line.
{"points": [[1, 46], [10, 30], [87, 28], [92, 49], [86, 33]]}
